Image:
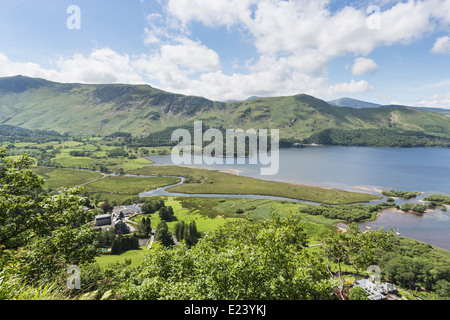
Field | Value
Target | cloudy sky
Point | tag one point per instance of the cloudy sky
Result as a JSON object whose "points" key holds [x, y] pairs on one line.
{"points": [[375, 50]]}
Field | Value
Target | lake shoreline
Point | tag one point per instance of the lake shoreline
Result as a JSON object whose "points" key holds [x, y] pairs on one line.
{"points": [[367, 170]]}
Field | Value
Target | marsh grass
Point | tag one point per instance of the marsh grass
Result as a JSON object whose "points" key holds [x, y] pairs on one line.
{"points": [[216, 182]]}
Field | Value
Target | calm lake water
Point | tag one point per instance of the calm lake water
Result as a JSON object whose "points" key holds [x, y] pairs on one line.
{"points": [[367, 169]]}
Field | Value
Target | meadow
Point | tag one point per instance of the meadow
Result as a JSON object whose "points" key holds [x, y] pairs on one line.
{"points": [[121, 187], [66, 178], [110, 187], [205, 181], [136, 257], [209, 213], [203, 221]]}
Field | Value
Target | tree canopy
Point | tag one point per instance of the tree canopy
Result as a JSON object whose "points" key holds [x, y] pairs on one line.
{"points": [[41, 232], [240, 260]]}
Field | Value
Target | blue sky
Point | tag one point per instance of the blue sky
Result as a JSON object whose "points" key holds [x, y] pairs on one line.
{"points": [[396, 52]]}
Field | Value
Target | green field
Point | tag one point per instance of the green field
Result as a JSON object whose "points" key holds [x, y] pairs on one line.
{"points": [[212, 182], [68, 161], [136, 257], [120, 188], [128, 185], [116, 188], [66, 178], [204, 222]]}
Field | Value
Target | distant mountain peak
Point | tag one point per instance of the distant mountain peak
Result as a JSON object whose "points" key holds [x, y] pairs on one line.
{"points": [[20, 83], [353, 103]]}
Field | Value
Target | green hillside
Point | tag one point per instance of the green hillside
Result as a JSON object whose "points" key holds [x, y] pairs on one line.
{"points": [[82, 109]]}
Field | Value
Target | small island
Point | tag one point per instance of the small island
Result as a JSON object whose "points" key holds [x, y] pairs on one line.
{"points": [[400, 194]]}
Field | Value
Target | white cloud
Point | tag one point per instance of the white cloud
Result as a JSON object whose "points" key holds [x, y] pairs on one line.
{"points": [[175, 63], [190, 55], [101, 66], [295, 41], [442, 45], [285, 27], [12, 68], [211, 13], [151, 36], [435, 101], [348, 87], [363, 66]]}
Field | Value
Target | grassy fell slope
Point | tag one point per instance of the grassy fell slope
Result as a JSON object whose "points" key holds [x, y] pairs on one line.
{"points": [[140, 109]]}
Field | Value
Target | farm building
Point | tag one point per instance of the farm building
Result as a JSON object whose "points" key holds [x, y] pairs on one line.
{"points": [[103, 219]]}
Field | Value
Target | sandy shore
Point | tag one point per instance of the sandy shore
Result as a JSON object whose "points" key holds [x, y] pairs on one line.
{"points": [[369, 189], [231, 171]]}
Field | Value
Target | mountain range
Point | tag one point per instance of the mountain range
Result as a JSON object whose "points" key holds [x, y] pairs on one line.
{"points": [[102, 109], [354, 103]]}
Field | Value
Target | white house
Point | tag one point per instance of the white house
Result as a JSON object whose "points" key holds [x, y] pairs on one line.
{"points": [[376, 291]]}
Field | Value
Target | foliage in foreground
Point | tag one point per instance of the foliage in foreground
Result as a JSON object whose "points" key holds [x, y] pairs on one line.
{"points": [[12, 287], [244, 259], [239, 260], [41, 233]]}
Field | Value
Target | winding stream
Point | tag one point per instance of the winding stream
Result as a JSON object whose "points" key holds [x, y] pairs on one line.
{"points": [[162, 191]]}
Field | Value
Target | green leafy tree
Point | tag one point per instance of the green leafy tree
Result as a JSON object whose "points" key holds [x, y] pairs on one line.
{"points": [[141, 228], [179, 230], [115, 247], [144, 227], [442, 288], [193, 234], [163, 235], [242, 259], [97, 197], [147, 208], [166, 213], [106, 207], [39, 231], [357, 293], [170, 211], [163, 214], [186, 238], [355, 248]]}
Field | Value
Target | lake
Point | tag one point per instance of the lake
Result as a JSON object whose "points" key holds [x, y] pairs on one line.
{"points": [[366, 169]]}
